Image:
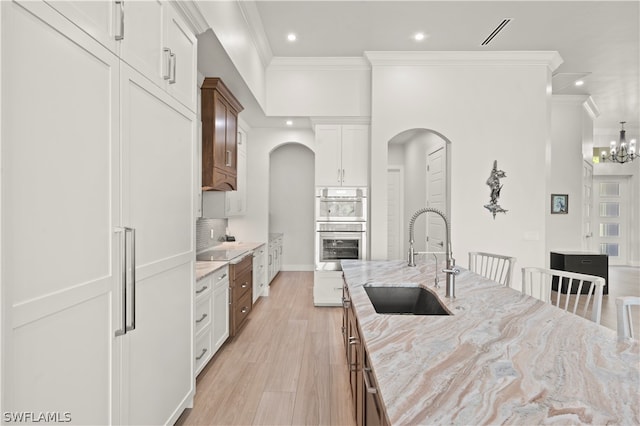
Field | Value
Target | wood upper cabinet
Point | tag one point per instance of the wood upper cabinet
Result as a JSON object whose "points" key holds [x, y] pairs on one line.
{"points": [[220, 111]]}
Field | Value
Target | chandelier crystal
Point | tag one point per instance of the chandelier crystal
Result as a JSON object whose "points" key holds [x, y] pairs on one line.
{"points": [[620, 152]]}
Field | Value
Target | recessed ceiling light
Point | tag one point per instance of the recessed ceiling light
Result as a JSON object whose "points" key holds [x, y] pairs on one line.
{"points": [[419, 36], [291, 37], [579, 83], [289, 123]]}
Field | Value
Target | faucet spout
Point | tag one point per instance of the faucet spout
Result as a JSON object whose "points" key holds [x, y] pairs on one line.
{"points": [[450, 270]]}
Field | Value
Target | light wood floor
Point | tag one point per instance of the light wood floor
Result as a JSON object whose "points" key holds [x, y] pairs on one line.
{"points": [[286, 366]]}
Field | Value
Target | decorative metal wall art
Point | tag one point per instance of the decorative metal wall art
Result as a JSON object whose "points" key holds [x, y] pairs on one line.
{"points": [[494, 184]]}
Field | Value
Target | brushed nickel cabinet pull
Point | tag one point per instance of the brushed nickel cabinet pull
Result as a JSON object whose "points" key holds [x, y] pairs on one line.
{"points": [[120, 21], [204, 351], [172, 61], [201, 318], [201, 290], [244, 310], [367, 383], [166, 73]]}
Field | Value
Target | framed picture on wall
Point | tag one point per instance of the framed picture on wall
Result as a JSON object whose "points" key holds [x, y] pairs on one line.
{"points": [[559, 203]]}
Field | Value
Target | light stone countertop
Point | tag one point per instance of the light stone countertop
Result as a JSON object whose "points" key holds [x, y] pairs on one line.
{"points": [[502, 357], [204, 268]]}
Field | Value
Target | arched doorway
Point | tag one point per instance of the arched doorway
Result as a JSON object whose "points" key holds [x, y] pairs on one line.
{"points": [[417, 176]]}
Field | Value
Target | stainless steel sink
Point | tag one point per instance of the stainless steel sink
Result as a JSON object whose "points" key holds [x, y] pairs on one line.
{"points": [[404, 300]]}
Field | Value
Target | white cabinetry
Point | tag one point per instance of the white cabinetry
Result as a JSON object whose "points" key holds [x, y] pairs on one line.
{"points": [[274, 263], [82, 138], [342, 154], [224, 204], [211, 316], [259, 272], [327, 288]]}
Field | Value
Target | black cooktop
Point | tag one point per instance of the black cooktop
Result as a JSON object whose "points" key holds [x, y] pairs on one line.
{"points": [[220, 254]]}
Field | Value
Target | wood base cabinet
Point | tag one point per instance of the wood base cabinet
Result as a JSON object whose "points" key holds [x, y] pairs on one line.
{"points": [[220, 111], [241, 289]]}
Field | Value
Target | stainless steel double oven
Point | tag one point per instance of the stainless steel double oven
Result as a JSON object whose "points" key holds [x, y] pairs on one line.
{"points": [[341, 226]]}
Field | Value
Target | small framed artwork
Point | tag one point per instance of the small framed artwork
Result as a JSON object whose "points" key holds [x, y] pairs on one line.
{"points": [[559, 203]]}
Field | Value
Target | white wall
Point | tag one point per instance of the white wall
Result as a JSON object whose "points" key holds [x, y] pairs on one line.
{"points": [[318, 87], [571, 127], [490, 108], [254, 226], [292, 204]]}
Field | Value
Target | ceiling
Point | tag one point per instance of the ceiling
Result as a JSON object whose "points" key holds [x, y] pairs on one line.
{"points": [[599, 41]]}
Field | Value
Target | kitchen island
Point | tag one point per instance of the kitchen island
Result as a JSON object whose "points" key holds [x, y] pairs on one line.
{"points": [[501, 357]]}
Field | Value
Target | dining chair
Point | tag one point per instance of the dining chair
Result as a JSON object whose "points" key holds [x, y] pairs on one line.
{"points": [[496, 267], [625, 323], [579, 294]]}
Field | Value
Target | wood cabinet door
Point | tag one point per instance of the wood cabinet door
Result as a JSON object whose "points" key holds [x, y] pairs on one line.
{"points": [[60, 203], [221, 158]]}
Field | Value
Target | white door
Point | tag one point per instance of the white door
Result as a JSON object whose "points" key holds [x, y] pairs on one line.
{"points": [[587, 205], [395, 222], [437, 199], [328, 152], [59, 208], [158, 139], [182, 42], [355, 155], [611, 217]]}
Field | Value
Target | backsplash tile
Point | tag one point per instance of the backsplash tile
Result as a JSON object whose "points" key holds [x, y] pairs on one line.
{"points": [[203, 232]]}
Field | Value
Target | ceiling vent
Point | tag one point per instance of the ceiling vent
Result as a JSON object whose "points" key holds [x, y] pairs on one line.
{"points": [[495, 32]]}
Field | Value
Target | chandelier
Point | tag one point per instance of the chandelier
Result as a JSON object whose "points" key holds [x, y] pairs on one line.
{"points": [[620, 152]]}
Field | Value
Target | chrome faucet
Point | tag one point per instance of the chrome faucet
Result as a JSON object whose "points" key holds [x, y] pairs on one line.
{"points": [[450, 270]]}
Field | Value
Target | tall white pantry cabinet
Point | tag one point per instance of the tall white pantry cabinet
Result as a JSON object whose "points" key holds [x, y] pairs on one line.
{"points": [[97, 203]]}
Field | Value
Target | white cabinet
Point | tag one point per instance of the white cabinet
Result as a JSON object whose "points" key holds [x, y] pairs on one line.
{"points": [[211, 322], [259, 272], [342, 154], [327, 288], [274, 263], [87, 131], [148, 35], [224, 204]]}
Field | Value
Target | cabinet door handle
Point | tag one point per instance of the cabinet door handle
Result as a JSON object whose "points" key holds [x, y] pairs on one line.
{"points": [[367, 383], [244, 310], [202, 289], [223, 276], [128, 263], [120, 21], [201, 318], [245, 284], [172, 62], [204, 351], [166, 73], [228, 158], [342, 175], [338, 175]]}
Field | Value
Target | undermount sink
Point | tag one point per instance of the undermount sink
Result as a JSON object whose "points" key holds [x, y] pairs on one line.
{"points": [[404, 300]]}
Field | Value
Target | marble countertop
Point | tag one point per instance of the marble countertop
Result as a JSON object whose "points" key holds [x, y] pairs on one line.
{"points": [[204, 268], [502, 357]]}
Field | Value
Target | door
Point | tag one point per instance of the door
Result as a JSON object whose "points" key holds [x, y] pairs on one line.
{"points": [[355, 155], [611, 217], [587, 205], [59, 208], [158, 139], [328, 153], [182, 43], [437, 199], [395, 223]]}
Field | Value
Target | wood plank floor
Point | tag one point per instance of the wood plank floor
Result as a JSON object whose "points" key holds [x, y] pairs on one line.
{"points": [[287, 365]]}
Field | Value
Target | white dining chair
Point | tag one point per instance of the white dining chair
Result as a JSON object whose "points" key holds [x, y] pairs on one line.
{"points": [[540, 282], [496, 267], [623, 308]]}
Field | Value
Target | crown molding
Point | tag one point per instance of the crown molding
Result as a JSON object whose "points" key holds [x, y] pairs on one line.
{"points": [[256, 30], [319, 63], [586, 101], [192, 14], [551, 59]]}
